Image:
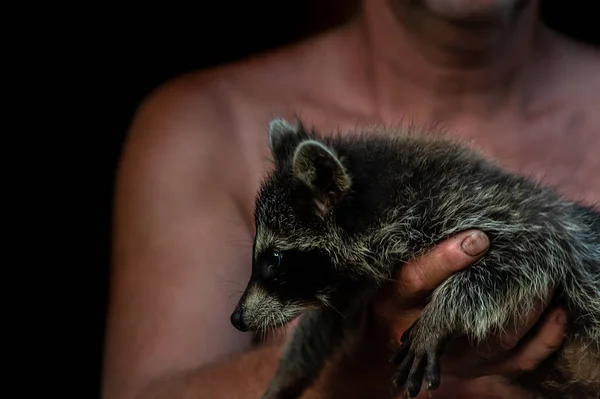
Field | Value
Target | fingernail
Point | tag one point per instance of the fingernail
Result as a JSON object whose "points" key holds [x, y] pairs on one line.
{"points": [[475, 244]]}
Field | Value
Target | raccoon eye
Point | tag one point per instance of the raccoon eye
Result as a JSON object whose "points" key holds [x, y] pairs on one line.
{"points": [[272, 263], [275, 257]]}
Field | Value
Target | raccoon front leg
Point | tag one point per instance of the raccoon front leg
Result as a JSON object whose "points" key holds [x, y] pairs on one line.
{"points": [[476, 302], [316, 337], [418, 357]]}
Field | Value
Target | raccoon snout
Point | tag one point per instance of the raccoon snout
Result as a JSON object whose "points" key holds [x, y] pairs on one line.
{"points": [[237, 319]]}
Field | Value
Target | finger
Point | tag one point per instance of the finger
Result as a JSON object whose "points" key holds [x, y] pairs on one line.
{"points": [[514, 333], [421, 276], [546, 341]]}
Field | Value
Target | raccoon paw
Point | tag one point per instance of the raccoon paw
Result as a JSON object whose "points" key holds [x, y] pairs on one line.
{"points": [[417, 359]]}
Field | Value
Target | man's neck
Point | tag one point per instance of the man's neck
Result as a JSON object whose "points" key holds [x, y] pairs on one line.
{"points": [[435, 68]]}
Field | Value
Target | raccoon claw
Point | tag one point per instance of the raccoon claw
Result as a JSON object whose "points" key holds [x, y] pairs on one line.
{"points": [[402, 359], [416, 367], [412, 366]]}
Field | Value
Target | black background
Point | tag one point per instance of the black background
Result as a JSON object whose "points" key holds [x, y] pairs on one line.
{"points": [[133, 50]]}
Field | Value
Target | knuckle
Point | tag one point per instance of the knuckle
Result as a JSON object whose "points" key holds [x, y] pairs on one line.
{"points": [[432, 268], [554, 344], [418, 278], [527, 364], [530, 361], [509, 341], [413, 279]]}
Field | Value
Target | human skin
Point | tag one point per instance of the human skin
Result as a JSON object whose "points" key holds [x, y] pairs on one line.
{"points": [[197, 150]]}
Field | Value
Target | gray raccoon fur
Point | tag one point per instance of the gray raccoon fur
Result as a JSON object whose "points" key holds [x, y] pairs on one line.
{"points": [[340, 213]]}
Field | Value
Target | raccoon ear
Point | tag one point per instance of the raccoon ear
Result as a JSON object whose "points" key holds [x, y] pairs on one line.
{"points": [[283, 137], [320, 169]]}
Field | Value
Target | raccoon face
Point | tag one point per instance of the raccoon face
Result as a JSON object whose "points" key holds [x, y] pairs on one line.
{"points": [[295, 265], [284, 283]]}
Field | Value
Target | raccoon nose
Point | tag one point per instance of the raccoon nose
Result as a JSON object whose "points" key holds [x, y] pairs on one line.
{"points": [[237, 320]]}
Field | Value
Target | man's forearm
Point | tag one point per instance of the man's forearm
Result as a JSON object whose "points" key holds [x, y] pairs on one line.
{"points": [[241, 376], [247, 376]]}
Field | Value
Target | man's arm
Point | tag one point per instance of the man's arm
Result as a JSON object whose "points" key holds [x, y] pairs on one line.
{"points": [[181, 247], [240, 376]]}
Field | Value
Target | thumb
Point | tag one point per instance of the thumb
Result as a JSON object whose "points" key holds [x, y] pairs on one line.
{"points": [[420, 276]]}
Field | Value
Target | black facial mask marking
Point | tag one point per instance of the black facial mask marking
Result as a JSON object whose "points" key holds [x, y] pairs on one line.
{"points": [[294, 274]]}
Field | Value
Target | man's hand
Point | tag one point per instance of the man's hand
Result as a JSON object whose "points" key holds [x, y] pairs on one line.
{"points": [[522, 348]]}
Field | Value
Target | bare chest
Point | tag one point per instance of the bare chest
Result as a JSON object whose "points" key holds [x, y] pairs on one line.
{"points": [[561, 150]]}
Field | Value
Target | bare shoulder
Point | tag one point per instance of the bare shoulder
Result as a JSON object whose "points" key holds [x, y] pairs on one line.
{"points": [[205, 120], [215, 102], [176, 119], [576, 66], [226, 109], [577, 95], [579, 84]]}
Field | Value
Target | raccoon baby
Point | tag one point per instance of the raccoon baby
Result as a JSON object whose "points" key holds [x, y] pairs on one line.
{"points": [[339, 214]]}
